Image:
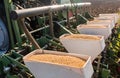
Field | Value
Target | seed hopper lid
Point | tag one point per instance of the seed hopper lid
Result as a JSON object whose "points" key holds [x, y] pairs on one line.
{"points": [[4, 39]]}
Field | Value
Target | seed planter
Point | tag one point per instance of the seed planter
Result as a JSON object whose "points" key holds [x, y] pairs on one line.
{"points": [[46, 69], [83, 44], [107, 22], [113, 14], [95, 30]]}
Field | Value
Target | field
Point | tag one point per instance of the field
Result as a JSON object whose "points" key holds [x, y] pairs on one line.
{"points": [[97, 7], [103, 6]]}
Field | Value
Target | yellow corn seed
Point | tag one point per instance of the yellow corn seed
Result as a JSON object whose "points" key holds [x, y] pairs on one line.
{"points": [[93, 26], [82, 36], [58, 59]]}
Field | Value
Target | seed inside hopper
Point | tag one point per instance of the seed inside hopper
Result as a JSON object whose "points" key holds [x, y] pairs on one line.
{"points": [[93, 26], [59, 59], [82, 36]]}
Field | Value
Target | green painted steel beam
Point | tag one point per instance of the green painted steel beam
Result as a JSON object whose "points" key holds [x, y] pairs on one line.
{"points": [[16, 29], [17, 63], [6, 4]]}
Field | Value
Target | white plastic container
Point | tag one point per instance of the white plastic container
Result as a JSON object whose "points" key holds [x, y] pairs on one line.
{"points": [[112, 14], [51, 70], [107, 22], [112, 18], [95, 30], [101, 24], [85, 46]]}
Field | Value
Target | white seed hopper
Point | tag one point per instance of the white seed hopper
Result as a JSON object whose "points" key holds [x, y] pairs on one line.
{"points": [[95, 29], [116, 15], [107, 22], [83, 44], [51, 70], [112, 18]]}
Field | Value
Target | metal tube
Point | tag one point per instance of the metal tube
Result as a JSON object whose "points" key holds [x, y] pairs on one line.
{"points": [[28, 12], [16, 14], [6, 4], [64, 28], [68, 20], [51, 24], [30, 37], [39, 29]]}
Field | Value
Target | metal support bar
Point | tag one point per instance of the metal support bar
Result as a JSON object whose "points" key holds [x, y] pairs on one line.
{"points": [[68, 20], [16, 63], [16, 14], [51, 24], [76, 15], [64, 28], [30, 37], [98, 66], [16, 29], [6, 4], [39, 29]]}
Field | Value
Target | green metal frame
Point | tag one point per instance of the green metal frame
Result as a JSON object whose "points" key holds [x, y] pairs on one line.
{"points": [[13, 29], [7, 11]]}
